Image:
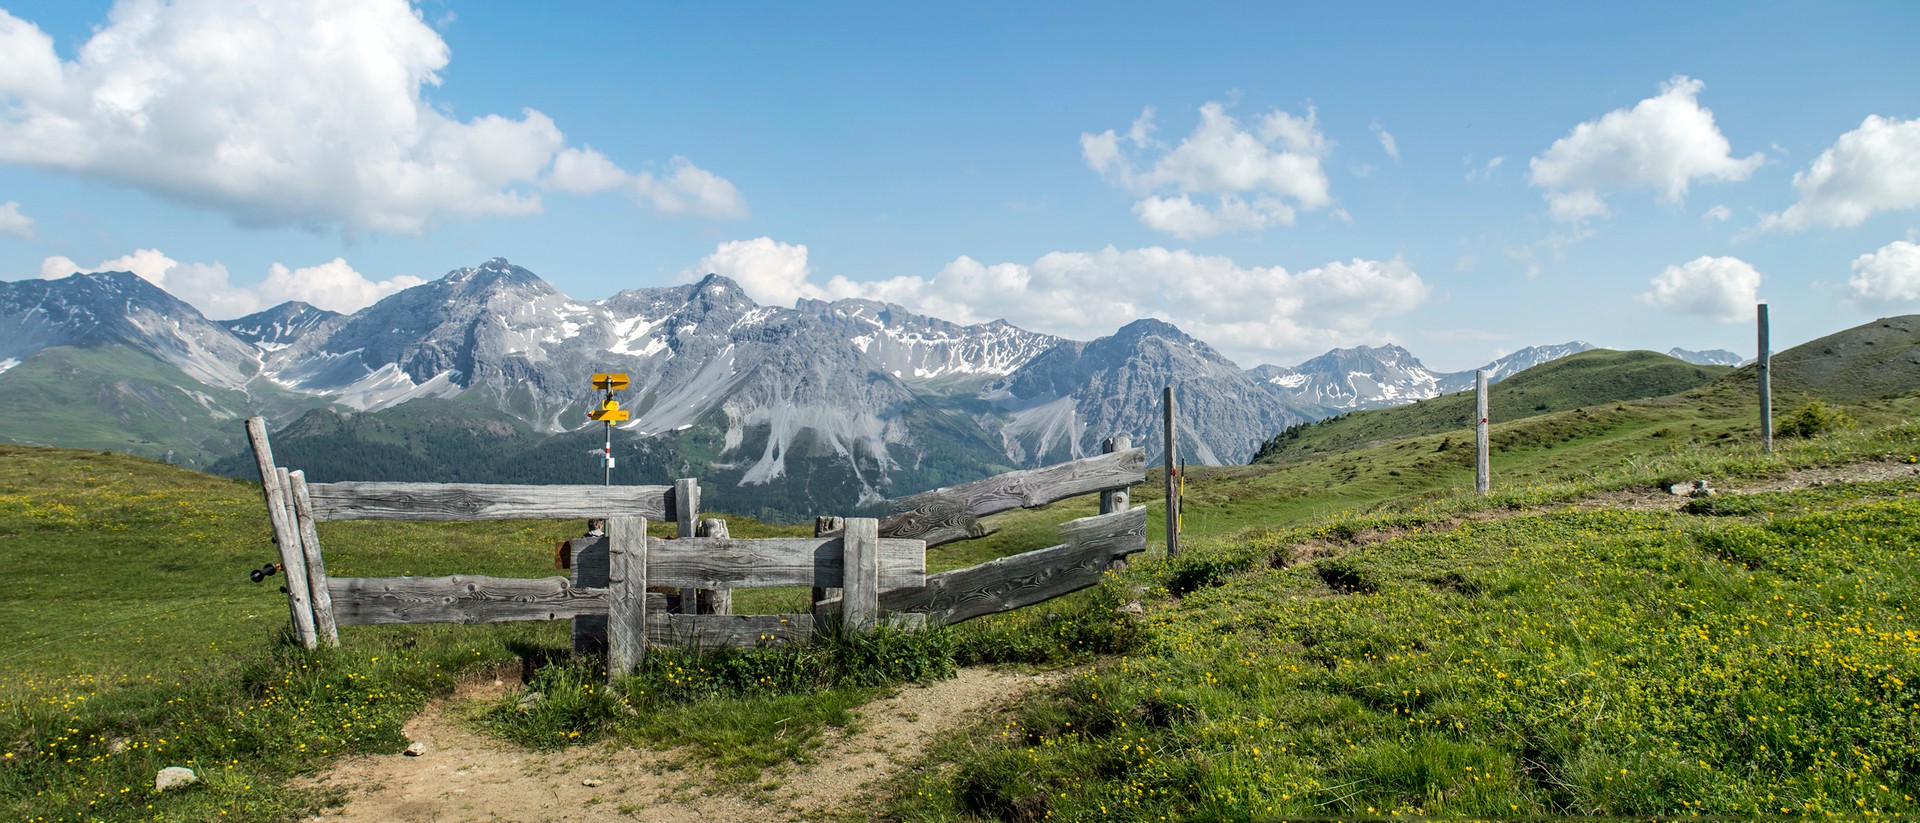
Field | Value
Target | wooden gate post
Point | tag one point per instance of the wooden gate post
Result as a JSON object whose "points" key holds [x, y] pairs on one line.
{"points": [[1173, 486], [860, 582], [1115, 500], [1766, 385], [286, 534], [1482, 474], [686, 515], [627, 595], [323, 621]]}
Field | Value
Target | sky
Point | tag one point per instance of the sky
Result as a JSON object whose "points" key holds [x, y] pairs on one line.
{"points": [[1276, 179]]}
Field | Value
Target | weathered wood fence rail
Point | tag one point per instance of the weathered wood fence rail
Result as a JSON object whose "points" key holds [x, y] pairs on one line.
{"points": [[864, 570]]}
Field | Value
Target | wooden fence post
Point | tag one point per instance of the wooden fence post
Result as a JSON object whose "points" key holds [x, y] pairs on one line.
{"points": [[715, 601], [860, 581], [1482, 474], [323, 621], [1766, 384], [686, 515], [824, 526], [1173, 487], [286, 534], [1115, 500], [627, 606]]}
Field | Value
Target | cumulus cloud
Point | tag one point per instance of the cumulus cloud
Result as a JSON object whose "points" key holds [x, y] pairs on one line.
{"points": [[1663, 143], [1888, 276], [332, 285], [1718, 214], [1223, 177], [12, 222], [1723, 289], [1871, 169], [1252, 313], [299, 113]]}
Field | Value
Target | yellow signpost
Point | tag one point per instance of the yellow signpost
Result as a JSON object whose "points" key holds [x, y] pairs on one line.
{"points": [[609, 412]]}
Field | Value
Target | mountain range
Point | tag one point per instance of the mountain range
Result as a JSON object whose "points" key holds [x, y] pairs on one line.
{"points": [[481, 375]]}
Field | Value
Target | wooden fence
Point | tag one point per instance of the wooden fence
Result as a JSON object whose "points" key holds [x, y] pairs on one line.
{"points": [[864, 570]]}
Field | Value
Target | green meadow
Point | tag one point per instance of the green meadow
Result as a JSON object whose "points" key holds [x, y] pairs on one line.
{"points": [[1349, 632]]}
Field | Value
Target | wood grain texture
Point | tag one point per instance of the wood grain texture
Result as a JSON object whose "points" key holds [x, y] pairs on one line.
{"points": [[1169, 410], [286, 533], [728, 563], [323, 622], [825, 526], [483, 501], [860, 583], [589, 571], [953, 513], [361, 601], [1115, 500], [714, 601], [299, 590], [709, 631], [684, 501], [1011, 582], [627, 594]]}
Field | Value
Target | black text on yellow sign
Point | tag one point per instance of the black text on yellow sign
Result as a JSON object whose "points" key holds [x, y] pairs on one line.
{"points": [[610, 382], [609, 411]]}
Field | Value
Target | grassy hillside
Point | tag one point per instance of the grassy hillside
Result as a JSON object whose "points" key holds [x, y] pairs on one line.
{"points": [[1590, 378], [113, 397], [1352, 635]]}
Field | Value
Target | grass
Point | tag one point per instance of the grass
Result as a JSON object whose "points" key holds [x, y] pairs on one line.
{"points": [[1348, 635], [1749, 656]]}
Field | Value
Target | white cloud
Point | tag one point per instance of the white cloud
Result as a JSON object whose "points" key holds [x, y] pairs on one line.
{"points": [[1663, 143], [12, 222], [208, 287], [1256, 177], [584, 171], [1252, 313], [1387, 143], [772, 273], [1476, 174], [1889, 275], [689, 189], [295, 113], [1723, 289], [1718, 214], [1871, 169]]}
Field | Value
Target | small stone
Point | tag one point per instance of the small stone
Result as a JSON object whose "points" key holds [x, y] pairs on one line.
{"points": [[173, 776], [1700, 489], [416, 749], [1132, 607], [593, 782], [530, 700]]}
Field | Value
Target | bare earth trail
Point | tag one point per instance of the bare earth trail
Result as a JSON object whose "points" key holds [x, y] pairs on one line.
{"points": [[466, 776]]}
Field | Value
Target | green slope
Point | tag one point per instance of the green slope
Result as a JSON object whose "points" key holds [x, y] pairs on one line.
{"points": [[1587, 379], [113, 397]]}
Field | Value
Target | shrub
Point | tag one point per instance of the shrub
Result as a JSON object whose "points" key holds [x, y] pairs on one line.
{"points": [[1812, 419]]}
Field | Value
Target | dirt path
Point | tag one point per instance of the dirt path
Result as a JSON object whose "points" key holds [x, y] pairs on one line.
{"points": [[1650, 499], [466, 776]]}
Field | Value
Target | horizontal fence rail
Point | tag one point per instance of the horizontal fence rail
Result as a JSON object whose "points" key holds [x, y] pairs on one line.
{"points": [[1008, 583], [953, 513], [484, 501], [721, 562], [878, 567]]}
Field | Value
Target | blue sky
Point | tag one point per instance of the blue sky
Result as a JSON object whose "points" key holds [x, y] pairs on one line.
{"points": [[1463, 183]]}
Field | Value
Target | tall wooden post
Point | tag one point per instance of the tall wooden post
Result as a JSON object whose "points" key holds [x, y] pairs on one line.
{"points": [[286, 533], [323, 622], [715, 601], [1482, 475], [1766, 385], [627, 595], [1173, 485]]}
